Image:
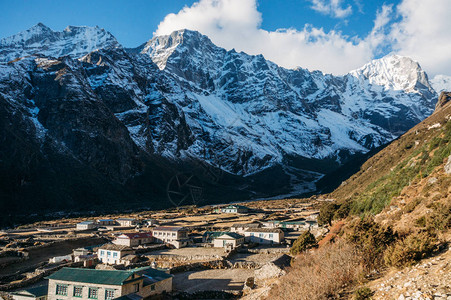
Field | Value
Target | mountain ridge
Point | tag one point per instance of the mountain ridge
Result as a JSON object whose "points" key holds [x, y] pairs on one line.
{"points": [[229, 118]]}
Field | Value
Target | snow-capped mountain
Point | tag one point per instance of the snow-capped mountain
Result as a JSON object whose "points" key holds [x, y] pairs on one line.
{"points": [[180, 103], [441, 83], [40, 39]]}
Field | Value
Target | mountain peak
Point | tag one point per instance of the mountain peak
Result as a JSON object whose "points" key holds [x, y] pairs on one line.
{"points": [[394, 72], [161, 47], [75, 41]]}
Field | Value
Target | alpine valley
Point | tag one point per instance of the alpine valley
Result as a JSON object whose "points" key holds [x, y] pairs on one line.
{"points": [[88, 124]]}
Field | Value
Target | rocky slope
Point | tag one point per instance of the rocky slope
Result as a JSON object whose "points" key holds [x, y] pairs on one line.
{"points": [[178, 103]]}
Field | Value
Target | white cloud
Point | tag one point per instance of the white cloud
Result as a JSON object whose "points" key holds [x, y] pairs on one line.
{"points": [[415, 28], [331, 7], [424, 33], [236, 24]]}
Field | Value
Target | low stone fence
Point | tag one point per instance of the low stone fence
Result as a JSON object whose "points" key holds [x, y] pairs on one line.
{"points": [[207, 265]]}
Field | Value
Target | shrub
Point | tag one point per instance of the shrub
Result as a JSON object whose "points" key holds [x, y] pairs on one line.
{"points": [[326, 213], [363, 293], [412, 204], [320, 274], [421, 221], [371, 239], [304, 242], [411, 249]]}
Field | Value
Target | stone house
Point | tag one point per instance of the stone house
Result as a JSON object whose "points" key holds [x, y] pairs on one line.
{"points": [[112, 254], [241, 228], [166, 234], [106, 222], [126, 222], [134, 239], [34, 293], [86, 225], [264, 235], [228, 240], [84, 284]]}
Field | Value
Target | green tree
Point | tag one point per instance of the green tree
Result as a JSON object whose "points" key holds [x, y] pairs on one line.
{"points": [[326, 213], [304, 242]]}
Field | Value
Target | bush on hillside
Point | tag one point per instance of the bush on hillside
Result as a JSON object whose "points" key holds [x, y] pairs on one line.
{"points": [[304, 242], [326, 213], [371, 239], [363, 293], [320, 274], [411, 249]]}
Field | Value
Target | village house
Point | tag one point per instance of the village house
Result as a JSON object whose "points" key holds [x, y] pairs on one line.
{"points": [[235, 209], [264, 235], [134, 239], [126, 222], [86, 225], [295, 225], [241, 228], [176, 236], [34, 293], [106, 222], [209, 236], [84, 284], [112, 254], [228, 240]]}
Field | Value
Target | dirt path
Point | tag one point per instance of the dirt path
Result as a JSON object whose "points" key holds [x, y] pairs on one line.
{"points": [[430, 279]]}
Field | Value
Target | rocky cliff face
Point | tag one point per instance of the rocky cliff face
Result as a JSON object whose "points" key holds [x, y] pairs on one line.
{"points": [[179, 102]]}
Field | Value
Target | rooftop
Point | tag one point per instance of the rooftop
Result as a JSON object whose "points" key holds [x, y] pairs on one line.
{"points": [[86, 222], [169, 228], [114, 247], [135, 235], [37, 292], [270, 230], [233, 235], [126, 219], [107, 277], [249, 225]]}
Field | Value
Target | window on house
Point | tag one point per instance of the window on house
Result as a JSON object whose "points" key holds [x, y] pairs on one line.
{"points": [[78, 291], [61, 289], [252, 234], [109, 294], [114, 254], [260, 235], [93, 293], [270, 235], [152, 287], [173, 234], [108, 253], [136, 287], [102, 253]]}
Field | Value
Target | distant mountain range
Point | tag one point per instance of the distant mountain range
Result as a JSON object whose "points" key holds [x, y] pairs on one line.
{"points": [[87, 123]]}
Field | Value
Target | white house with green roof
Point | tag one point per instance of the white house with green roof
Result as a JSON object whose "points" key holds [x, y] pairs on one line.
{"points": [[234, 209], [228, 240], [90, 284], [34, 293]]}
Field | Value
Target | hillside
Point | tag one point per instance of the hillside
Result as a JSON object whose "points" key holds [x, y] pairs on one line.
{"points": [[385, 222]]}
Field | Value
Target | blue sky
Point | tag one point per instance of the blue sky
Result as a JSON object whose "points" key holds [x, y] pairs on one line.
{"points": [[133, 22], [334, 36]]}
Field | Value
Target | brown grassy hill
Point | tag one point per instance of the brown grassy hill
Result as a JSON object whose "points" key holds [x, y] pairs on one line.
{"points": [[394, 212], [419, 154]]}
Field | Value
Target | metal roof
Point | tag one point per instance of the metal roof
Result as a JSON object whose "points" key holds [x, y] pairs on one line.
{"points": [[107, 277], [37, 292]]}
